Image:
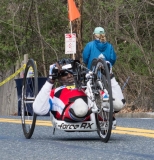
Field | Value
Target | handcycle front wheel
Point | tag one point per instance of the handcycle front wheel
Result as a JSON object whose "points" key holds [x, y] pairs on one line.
{"points": [[105, 116], [29, 92]]}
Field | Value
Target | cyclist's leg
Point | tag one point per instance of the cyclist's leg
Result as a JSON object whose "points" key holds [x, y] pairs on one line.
{"points": [[118, 97]]}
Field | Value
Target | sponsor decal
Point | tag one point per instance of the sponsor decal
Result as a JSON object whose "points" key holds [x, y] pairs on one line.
{"points": [[75, 126]]}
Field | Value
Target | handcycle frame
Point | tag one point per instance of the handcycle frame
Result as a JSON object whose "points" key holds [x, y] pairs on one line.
{"points": [[80, 126], [92, 84]]}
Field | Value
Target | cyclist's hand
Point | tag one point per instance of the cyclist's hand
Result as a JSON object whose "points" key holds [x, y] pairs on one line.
{"points": [[53, 72]]}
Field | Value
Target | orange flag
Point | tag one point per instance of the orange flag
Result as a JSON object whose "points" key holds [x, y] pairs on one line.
{"points": [[72, 10]]}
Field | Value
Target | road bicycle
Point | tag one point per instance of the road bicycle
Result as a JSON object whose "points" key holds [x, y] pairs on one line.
{"points": [[92, 82]]}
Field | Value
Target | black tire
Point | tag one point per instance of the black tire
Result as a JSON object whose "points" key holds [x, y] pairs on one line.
{"points": [[105, 117], [93, 64], [29, 92]]}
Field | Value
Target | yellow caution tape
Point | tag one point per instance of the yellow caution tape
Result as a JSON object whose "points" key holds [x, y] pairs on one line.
{"points": [[13, 75]]}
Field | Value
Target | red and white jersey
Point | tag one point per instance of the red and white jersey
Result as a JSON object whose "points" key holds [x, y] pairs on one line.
{"points": [[58, 100], [61, 99]]}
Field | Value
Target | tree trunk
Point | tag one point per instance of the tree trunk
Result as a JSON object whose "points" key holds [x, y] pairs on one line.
{"points": [[41, 41]]}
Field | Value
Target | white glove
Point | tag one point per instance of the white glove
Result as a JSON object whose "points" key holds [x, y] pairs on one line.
{"points": [[53, 66]]}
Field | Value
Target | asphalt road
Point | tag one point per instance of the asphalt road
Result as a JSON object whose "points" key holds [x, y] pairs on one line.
{"points": [[132, 140]]}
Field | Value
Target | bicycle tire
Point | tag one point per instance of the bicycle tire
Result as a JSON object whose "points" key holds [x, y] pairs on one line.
{"points": [[105, 117], [29, 92], [93, 64]]}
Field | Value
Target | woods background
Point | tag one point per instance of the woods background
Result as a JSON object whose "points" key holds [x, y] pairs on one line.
{"points": [[37, 28]]}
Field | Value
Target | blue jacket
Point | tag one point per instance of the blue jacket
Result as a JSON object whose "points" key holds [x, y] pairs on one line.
{"points": [[94, 48]]}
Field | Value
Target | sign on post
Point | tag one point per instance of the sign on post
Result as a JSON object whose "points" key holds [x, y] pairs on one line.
{"points": [[70, 43]]}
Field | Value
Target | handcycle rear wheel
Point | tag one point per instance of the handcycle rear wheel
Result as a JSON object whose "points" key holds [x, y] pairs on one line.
{"points": [[105, 116], [29, 92]]}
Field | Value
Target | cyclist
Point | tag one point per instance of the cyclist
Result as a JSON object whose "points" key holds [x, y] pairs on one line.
{"points": [[97, 48], [65, 102]]}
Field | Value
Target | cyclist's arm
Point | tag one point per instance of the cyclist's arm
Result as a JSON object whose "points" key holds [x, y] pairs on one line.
{"points": [[41, 105]]}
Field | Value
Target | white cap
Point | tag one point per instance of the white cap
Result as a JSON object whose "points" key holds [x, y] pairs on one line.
{"points": [[79, 107], [99, 30]]}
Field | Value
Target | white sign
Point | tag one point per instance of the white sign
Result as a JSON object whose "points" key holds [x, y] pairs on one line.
{"points": [[70, 43]]}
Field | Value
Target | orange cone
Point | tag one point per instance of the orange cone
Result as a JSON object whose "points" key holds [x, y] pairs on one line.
{"points": [[72, 10]]}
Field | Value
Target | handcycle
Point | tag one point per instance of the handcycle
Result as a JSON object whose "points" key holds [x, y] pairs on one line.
{"points": [[92, 82]]}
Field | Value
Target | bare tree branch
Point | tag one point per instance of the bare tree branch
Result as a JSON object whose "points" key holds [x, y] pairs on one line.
{"points": [[149, 2]]}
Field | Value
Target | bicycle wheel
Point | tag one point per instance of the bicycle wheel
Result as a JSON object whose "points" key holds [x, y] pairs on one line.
{"points": [[29, 92], [105, 116], [93, 64]]}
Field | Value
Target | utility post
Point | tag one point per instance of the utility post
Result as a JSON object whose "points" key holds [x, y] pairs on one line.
{"points": [[77, 28]]}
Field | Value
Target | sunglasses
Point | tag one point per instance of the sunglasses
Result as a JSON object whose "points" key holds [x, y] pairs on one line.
{"points": [[65, 73]]}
